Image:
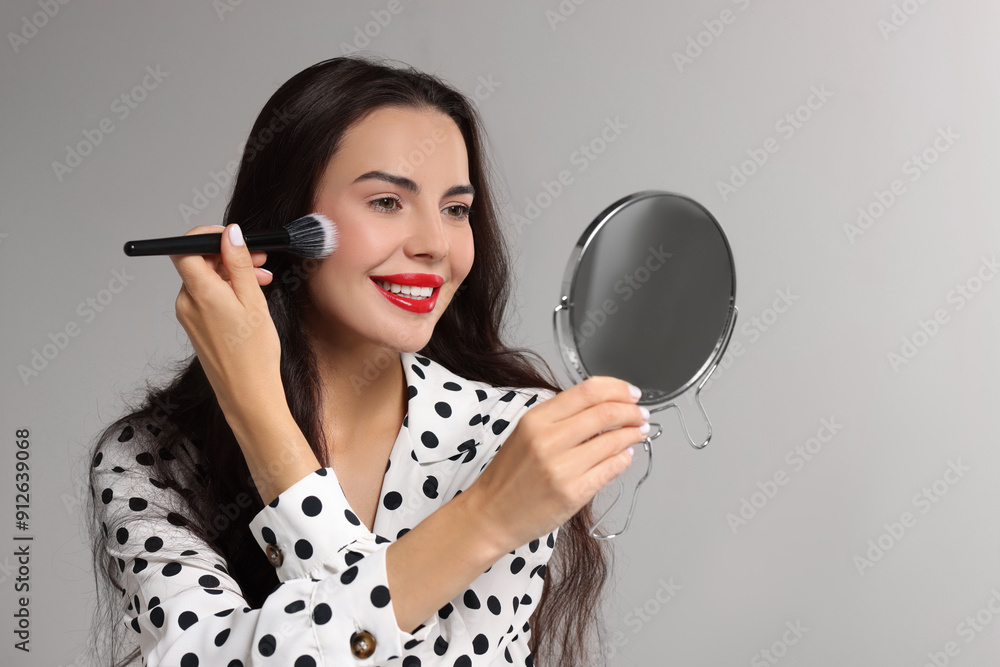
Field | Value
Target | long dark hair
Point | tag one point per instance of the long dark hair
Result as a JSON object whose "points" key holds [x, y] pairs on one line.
{"points": [[294, 137]]}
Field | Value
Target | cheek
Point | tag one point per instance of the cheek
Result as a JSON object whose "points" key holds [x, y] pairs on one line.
{"points": [[367, 243], [360, 249], [335, 271], [467, 253]]}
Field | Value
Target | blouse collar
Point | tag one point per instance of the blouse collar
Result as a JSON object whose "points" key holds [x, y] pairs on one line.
{"points": [[443, 418]]}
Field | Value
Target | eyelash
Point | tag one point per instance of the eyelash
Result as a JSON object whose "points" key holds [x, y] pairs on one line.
{"points": [[466, 211]]}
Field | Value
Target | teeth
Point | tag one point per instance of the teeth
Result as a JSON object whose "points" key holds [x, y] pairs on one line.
{"points": [[411, 291]]}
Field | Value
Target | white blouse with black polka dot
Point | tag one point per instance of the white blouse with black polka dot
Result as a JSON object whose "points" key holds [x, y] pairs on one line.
{"points": [[184, 607]]}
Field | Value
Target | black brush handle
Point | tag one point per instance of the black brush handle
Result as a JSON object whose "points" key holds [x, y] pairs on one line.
{"points": [[260, 240]]}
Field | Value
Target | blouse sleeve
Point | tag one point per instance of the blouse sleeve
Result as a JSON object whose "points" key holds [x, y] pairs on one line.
{"points": [[487, 624], [472, 629], [186, 609], [332, 605]]}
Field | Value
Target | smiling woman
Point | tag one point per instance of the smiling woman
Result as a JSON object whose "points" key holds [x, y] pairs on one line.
{"points": [[394, 225], [434, 512]]}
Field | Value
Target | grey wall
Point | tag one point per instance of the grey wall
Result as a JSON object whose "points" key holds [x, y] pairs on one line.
{"points": [[691, 589]]}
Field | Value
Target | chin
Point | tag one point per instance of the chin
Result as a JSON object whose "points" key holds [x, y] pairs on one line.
{"points": [[407, 343]]}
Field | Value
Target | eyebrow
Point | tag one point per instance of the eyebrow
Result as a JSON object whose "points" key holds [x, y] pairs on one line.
{"points": [[410, 185]]}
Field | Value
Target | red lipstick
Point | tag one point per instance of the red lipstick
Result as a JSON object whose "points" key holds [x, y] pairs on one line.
{"points": [[417, 279], [419, 306]]}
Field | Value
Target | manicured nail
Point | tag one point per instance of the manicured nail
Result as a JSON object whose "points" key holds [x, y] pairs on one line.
{"points": [[235, 235], [644, 412], [265, 270], [636, 392], [644, 428], [631, 451]]}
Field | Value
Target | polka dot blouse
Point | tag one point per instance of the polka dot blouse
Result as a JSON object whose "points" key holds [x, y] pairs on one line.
{"points": [[332, 606]]}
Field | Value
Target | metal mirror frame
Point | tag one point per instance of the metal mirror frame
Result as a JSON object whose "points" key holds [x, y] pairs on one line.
{"points": [[654, 401]]}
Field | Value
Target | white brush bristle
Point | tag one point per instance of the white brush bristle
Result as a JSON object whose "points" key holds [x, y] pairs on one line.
{"points": [[313, 236]]}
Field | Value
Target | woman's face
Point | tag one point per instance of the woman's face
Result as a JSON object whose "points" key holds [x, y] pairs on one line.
{"points": [[398, 191]]}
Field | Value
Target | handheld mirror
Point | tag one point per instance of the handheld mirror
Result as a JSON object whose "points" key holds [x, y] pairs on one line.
{"points": [[648, 296]]}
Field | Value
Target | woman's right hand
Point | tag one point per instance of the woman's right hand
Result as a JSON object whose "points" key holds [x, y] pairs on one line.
{"points": [[225, 314], [224, 311], [560, 454]]}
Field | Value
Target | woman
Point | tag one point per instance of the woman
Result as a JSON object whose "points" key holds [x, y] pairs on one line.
{"points": [[327, 446]]}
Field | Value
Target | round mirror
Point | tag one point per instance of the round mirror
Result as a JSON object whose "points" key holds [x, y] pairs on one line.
{"points": [[649, 296]]}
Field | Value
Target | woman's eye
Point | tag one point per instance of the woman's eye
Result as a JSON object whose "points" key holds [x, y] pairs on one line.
{"points": [[390, 204], [385, 204]]}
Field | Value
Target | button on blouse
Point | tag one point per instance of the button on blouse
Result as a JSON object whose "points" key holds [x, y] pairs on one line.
{"points": [[333, 605]]}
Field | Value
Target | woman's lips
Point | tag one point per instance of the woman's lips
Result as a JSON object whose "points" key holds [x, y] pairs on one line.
{"points": [[420, 306], [417, 279]]}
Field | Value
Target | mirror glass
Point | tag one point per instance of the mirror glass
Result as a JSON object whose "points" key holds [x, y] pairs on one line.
{"points": [[653, 294], [649, 297]]}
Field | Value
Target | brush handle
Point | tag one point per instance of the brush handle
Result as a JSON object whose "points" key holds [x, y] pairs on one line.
{"points": [[259, 240]]}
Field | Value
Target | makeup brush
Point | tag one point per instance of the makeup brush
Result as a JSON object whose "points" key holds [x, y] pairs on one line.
{"points": [[313, 236]]}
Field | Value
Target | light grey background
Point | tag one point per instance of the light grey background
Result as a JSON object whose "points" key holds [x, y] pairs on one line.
{"points": [[553, 85]]}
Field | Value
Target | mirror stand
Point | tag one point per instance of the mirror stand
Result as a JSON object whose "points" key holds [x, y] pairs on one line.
{"points": [[647, 442]]}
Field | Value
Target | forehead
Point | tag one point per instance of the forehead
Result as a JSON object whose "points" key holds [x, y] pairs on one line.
{"points": [[405, 141]]}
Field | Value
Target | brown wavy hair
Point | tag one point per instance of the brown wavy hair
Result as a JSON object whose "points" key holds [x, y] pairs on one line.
{"points": [[293, 139]]}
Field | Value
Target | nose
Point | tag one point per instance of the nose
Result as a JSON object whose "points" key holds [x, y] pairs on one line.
{"points": [[427, 237]]}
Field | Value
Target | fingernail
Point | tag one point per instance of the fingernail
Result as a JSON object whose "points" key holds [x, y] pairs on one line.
{"points": [[636, 392], [220, 226], [644, 412], [265, 270], [235, 235], [631, 450], [644, 428]]}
